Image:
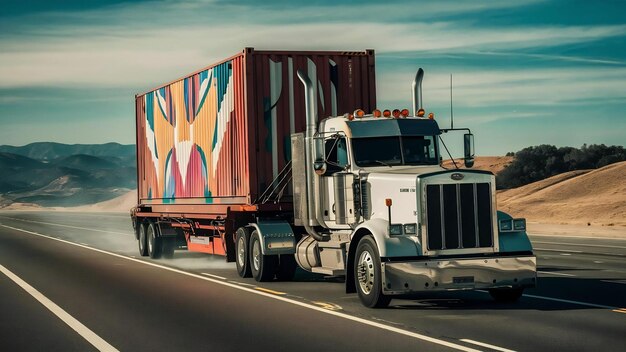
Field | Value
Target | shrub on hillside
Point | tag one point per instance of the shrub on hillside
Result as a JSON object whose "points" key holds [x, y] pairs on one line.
{"points": [[539, 162]]}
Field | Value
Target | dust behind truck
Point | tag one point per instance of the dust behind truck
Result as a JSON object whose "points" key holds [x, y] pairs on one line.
{"points": [[279, 159]]}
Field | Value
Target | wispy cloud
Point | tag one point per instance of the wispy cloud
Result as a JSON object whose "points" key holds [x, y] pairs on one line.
{"points": [[524, 87], [503, 72], [130, 45]]}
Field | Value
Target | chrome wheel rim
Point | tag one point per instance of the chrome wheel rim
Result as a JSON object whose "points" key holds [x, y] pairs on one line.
{"points": [[241, 251], [142, 238], [256, 255], [365, 272]]}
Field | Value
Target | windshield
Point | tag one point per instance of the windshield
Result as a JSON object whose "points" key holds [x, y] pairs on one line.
{"points": [[395, 150]]}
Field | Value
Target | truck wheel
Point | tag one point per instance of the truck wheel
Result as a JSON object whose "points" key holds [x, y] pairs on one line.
{"points": [[506, 295], [169, 245], [263, 267], [367, 274], [286, 267], [143, 240], [242, 240], [154, 242]]}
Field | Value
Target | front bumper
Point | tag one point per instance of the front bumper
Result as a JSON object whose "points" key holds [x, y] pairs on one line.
{"points": [[458, 274]]}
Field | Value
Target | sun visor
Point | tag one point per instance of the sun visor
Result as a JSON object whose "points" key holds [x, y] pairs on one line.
{"points": [[394, 127]]}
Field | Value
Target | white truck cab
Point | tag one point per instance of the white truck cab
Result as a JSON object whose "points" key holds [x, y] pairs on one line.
{"points": [[377, 206]]}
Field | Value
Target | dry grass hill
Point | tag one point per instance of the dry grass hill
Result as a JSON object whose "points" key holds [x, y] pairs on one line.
{"points": [[596, 197]]}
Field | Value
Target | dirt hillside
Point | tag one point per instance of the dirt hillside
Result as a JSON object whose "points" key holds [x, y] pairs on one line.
{"points": [[596, 197], [122, 204]]}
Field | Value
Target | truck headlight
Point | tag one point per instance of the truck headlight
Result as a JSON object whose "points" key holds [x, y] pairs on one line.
{"points": [[395, 229], [519, 224], [505, 225], [512, 225], [410, 229]]}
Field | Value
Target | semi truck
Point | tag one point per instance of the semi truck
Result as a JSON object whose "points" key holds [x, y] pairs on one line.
{"points": [[279, 160]]}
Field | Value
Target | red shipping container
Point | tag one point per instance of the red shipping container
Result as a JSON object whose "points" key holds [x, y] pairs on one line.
{"points": [[221, 135]]}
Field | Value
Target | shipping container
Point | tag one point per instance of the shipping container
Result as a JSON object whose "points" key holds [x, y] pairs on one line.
{"points": [[214, 141]]}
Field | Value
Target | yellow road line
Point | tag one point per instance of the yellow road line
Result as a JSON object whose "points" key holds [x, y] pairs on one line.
{"points": [[270, 291], [329, 306], [621, 310]]}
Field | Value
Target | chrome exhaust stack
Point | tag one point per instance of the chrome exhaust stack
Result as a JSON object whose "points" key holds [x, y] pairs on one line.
{"points": [[312, 194], [417, 91]]}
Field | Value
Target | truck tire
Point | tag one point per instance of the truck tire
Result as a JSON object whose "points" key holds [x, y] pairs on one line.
{"points": [[154, 241], [506, 295], [242, 257], [142, 240], [367, 274], [169, 245], [263, 267], [286, 267]]}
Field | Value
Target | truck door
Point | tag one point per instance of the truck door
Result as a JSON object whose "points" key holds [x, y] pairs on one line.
{"points": [[336, 155]]}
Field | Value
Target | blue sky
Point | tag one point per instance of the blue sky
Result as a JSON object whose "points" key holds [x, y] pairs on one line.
{"points": [[525, 72]]}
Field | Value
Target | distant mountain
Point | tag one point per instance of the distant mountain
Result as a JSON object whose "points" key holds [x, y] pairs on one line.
{"points": [[14, 160], [85, 162], [47, 174], [51, 150]]}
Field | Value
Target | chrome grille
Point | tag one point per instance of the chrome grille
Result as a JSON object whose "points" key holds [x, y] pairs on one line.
{"points": [[459, 216]]}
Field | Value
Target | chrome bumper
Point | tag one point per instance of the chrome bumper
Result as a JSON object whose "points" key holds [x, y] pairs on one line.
{"points": [[458, 274]]}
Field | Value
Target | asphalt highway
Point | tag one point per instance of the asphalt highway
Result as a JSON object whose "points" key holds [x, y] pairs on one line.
{"points": [[75, 282]]}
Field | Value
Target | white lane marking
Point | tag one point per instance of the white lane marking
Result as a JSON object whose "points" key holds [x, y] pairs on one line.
{"points": [[215, 276], [242, 283], [566, 253], [76, 325], [68, 226], [84, 244], [557, 250], [268, 295], [568, 236], [553, 273], [579, 244], [482, 344], [571, 302], [598, 262]]}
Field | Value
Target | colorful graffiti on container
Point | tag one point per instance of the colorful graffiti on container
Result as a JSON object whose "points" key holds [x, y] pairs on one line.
{"points": [[185, 127]]}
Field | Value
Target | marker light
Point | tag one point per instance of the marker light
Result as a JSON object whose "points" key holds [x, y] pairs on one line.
{"points": [[420, 113], [431, 116], [396, 113], [376, 113], [404, 112], [386, 113], [359, 113], [388, 202], [349, 116]]}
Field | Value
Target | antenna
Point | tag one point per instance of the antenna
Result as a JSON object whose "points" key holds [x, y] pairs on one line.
{"points": [[451, 109]]}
